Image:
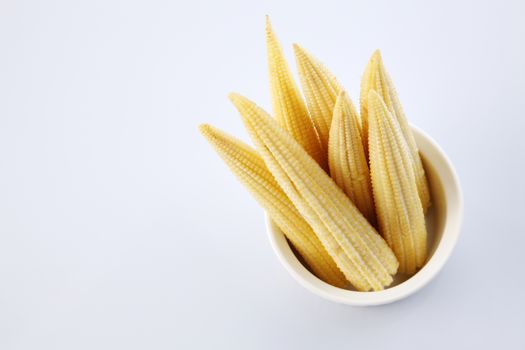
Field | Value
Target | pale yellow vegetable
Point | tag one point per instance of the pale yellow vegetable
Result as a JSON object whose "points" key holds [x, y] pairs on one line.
{"points": [[358, 250], [367, 84], [398, 206], [251, 171], [288, 105], [320, 88], [377, 78], [347, 159]]}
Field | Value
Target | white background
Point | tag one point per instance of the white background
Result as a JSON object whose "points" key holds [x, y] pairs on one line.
{"points": [[121, 229]]}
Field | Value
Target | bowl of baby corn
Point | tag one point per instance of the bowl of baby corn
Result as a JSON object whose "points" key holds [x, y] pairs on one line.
{"points": [[361, 208]]}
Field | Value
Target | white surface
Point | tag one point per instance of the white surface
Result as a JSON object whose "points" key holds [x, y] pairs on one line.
{"points": [[444, 220], [121, 229]]}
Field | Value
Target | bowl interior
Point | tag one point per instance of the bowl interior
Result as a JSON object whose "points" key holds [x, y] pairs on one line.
{"points": [[442, 219]]}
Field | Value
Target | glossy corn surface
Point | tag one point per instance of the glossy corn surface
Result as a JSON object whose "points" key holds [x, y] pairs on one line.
{"points": [[377, 78], [347, 158], [359, 251], [320, 88], [288, 105], [398, 206], [252, 172]]}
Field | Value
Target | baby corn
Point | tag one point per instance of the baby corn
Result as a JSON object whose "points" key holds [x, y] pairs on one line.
{"points": [[398, 206], [358, 250], [366, 85], [250, 169], [377, 78], [320, 88], [347, 159], [288, 106]]}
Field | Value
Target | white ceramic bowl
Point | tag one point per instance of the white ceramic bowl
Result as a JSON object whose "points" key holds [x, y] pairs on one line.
{"points": [[443, 225]]}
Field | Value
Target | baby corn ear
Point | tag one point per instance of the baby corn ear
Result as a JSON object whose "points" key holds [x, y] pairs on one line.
{"points": [[250, 169], [358, 250], [320, 88], [377, 78], [347, 159], [288, 106], [367, 84], [398, 206]]}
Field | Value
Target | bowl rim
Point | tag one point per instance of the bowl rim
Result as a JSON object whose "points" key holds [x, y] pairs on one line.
{"points": [[434, 155]]}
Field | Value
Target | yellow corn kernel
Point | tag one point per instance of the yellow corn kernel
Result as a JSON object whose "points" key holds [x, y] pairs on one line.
{"points": [[250, 169], [398, 206], [288, 106], [347, 159], [320, 88], [358, 250], [377, 78]]}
